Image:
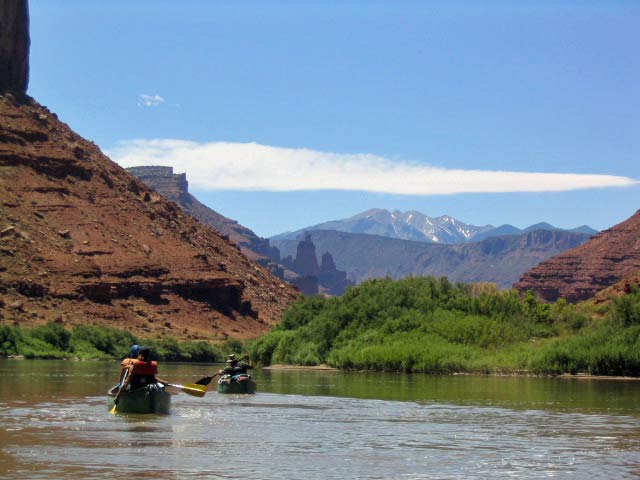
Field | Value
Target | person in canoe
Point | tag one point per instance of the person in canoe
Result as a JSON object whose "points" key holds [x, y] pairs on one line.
{"points": [[236, 367], [137, 370]]}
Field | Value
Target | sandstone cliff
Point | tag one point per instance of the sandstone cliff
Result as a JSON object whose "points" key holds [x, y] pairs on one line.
{"points": [[14, 46], [176, 188], [83, 241], [610, 257]]}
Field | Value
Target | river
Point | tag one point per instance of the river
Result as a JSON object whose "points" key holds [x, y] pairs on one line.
{"points": [[54, 424]]}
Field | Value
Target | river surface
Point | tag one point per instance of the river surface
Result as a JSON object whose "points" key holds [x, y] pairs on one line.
{"points": [[54, 424]]}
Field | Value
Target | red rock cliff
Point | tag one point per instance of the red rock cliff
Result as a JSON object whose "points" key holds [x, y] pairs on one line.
{"points": [[83, 241], [578, 274], [174, 186]]}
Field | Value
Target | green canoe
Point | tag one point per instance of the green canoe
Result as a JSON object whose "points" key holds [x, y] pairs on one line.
{"points": [[237, 384], [150, 399]]}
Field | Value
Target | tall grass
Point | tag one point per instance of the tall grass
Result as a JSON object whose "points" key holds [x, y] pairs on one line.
{"points": [[98, 342]]}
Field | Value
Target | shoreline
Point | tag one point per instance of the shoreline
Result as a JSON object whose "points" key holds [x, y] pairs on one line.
{"points": [[568, 376], [326, 368], [279, 366]]}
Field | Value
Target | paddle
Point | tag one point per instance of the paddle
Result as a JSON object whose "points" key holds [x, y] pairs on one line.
{"points": [[207, 380], [125, 381], [189, 389]]}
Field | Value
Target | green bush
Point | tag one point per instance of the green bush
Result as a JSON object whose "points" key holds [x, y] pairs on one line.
{"points": [[97, 342], [432, 325], [10, 338], [626, 308], [110, 341], [53, 334], [233, 346]]}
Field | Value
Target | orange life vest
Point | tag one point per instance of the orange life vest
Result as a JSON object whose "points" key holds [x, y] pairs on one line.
{"points": [[140, 367]]}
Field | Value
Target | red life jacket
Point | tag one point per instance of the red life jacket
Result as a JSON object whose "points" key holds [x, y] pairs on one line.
{"points": [[140, 367]]}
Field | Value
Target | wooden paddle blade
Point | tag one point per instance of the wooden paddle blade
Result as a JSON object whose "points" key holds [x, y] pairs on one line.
{"points": [[113, 410]]}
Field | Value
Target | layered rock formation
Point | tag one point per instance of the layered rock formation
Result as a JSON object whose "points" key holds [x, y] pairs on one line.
{"points": [[610, 257], [83, 241], [175, 187], [14, 46], [623, 287]]}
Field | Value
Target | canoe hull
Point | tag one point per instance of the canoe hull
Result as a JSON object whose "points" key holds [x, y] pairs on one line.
{"points": [[242, 385], [149, 399]]}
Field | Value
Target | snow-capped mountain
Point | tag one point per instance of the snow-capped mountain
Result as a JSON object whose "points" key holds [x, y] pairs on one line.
{"points": [[411, 225]]}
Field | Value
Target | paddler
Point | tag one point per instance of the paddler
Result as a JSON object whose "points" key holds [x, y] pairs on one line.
{"points": [[142, 371], [235, 367]]}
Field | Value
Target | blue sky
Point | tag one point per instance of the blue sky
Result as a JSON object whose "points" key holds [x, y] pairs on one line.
{"points": [[325, 109]]}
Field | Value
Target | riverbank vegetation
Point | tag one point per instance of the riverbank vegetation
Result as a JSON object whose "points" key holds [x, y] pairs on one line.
{"points": [[103, 343], [431, 325]]}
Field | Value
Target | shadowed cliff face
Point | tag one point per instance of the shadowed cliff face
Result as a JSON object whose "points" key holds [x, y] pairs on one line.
{"points": [[14, 46]]}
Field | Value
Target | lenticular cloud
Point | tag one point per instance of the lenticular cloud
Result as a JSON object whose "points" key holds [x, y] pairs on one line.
{"points": [[250, 166]]}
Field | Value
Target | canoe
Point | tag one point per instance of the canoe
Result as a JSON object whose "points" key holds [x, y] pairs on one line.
{"points": [[236, 384], [150, 399]]}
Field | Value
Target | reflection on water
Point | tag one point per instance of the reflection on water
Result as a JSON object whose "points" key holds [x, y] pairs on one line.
{"points": [[54, 424]]}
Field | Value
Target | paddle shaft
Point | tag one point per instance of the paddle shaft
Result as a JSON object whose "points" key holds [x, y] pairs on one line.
{"points": [[125, 381]]}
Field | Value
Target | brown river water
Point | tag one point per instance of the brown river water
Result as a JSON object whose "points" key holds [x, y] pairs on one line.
{"points": [[54, 424]]}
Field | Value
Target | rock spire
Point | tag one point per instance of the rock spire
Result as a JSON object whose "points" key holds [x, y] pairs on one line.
{"points": [[14, 46]]}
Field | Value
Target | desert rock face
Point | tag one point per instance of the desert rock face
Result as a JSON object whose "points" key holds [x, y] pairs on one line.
{"points": [[83, 241], [14, 46], [175, 187], [610, 257]]}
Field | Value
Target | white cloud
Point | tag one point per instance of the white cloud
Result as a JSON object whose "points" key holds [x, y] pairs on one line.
{"points": [[145, 100], [250, 166]]}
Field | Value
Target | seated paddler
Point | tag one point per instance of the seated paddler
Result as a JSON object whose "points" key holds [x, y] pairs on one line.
{"points": [[235, 367], [138, 370], [232, 363]]}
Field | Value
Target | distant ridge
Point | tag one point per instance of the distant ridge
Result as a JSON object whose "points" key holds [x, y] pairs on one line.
{"points": [[500, 260], [416, 226]]}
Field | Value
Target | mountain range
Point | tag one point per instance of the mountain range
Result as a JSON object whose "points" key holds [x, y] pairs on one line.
{"points": [[416, 226], [501, 260]]}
